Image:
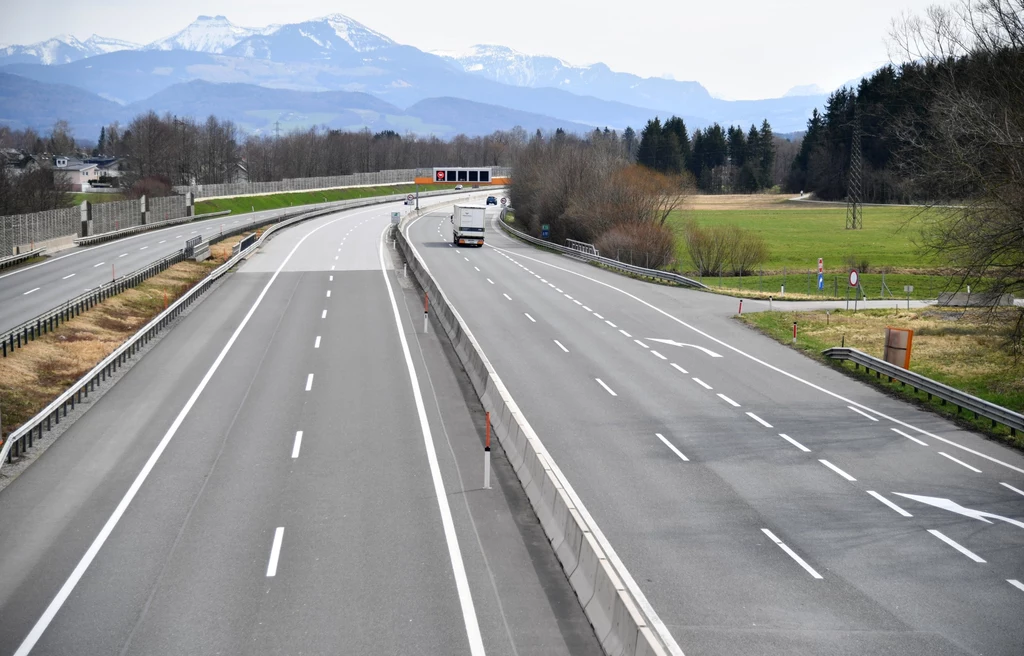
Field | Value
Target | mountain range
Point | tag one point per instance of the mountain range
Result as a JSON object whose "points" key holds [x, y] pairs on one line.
{"points": [[338, 72]]}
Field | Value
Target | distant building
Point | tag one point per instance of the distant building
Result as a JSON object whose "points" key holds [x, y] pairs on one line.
{"points": [[18, 162], [80, 174]]}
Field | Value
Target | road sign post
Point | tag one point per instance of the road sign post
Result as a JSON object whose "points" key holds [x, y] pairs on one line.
{"points": [[854, 281], [821, 274], [545, 231], [908, 289]]}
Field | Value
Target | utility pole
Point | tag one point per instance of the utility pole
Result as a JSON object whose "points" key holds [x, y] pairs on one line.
{"points": [[854, 211]]}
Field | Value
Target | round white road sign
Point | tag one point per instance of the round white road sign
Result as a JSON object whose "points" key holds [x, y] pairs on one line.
{"points": [[504, 200], [410, 197], [854, 278]]}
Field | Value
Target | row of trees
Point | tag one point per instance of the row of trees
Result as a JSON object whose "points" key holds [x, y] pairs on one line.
{"points": [[720, 160]]}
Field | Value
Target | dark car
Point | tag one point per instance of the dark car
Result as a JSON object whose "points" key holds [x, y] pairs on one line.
{"points": [[491, 200]]}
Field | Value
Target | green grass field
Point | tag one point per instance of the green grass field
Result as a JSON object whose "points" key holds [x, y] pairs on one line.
{"points": [[797, 236], [245, 204]]}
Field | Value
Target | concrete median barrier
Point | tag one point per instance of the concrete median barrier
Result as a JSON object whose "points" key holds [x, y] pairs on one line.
{"points": [[620, 625]]}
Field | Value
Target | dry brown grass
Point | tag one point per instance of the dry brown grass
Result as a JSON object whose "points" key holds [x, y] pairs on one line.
{"points": [[32, 376], [743, 202]]}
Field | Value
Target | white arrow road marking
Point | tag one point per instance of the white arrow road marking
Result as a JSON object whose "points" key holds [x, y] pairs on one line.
{"points": [[953, 506], [675, 343]]}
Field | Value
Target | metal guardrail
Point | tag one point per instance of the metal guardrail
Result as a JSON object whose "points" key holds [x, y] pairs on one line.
{"points": [[962, 400], [124, 232], [22, 438], [604, 261], [51, 319], [11, 260]]}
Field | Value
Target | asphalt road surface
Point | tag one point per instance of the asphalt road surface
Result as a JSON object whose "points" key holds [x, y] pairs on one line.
{"points": [[295, 468], [764, 504]]}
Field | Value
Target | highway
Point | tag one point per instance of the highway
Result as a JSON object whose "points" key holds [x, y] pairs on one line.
{"points": [[295, 468], [763, 503]]}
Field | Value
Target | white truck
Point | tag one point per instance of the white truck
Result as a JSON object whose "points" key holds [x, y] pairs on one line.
{"points": [[468, 225]]}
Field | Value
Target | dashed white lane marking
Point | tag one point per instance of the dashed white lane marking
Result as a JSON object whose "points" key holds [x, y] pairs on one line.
{"points": [[477, 268], [335, 258], [658, 355], [610, 323], [68, 276], [889, 503], [100, 264], [909, 437], [465, 258], [31, 290], [560, 346], [123, 255], [1007, 485], [675, 366], [962, 549], [177, 236], [759, 420], [144, 248], [490, 281], [606, 388], [332, 267], [297, 445], [567, 296], [275, 551], [794, 443], [625, 333], [324, 315], [542, 280], [587, 309], [792, 554], [960, 462], [576, 302], [309, 382], [506, 296], [558, 290], [160, 242], [641, 343], [330, 279], [728, 400], [861, 412], [317, 343], [328, 293], [598, 316], [1015, 583], [702, 383], [837, 470], [671, 446], [529, 317]]}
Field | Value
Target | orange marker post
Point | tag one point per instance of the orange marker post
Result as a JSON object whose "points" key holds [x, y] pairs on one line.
{"points": [[487, 454]]}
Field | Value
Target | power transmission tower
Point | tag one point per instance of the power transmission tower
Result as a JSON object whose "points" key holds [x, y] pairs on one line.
{"points": [[854, 211], [277, 129]]}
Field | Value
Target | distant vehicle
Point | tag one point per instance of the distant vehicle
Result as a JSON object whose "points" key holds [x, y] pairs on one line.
{"points": [[458, 186], [468, 225], [491, 200]]}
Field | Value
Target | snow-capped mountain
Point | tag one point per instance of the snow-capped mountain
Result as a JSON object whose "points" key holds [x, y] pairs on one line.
{"points": [[805, 90], [62, 49], [213, 34], [336, 38]]}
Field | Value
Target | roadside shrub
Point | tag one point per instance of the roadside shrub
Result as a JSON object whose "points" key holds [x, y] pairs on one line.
{"points": [[720, 247], [644, 244], [852, 263], [748, 250], [151, 186]]}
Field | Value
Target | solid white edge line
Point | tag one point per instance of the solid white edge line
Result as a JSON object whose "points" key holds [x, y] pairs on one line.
{"points": [[702, 384], [959, 547], [76, 575], [728, 400], [560, 346], [792, 554], [1015, 583], [861, 412], [837, 470], [1007, 485], [613, 557], [794, 443], [529, 317], [909, 437], [297, 445], [309, 382], [678, 368], [672, 446], [767, 365], [889, 503], [960, 462], [275, 551], [476, 643], [606, 388], [759, 420], [317, 344]]}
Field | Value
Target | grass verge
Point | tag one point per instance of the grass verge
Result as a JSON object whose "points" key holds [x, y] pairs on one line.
{"points": [[246, 204], [32, 376], [962, 349], [76, 199]]}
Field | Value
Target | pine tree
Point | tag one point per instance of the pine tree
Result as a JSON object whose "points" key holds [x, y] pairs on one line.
{"points": [[650, 144], [101, 145], [766, 153], [629, 142], [737, 144]]}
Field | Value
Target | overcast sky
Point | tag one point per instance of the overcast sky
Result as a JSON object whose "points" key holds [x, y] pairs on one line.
{"points": [[738, 49]]}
